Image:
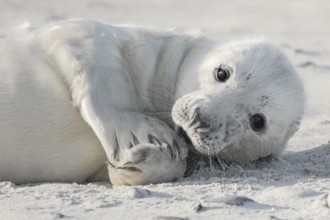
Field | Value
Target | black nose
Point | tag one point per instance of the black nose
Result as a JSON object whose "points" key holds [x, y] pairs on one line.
{"points": [[199, 122], [196, 117]]}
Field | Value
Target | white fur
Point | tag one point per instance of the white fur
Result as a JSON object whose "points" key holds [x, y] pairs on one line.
{"points": [[263, 81], [74, 94]]}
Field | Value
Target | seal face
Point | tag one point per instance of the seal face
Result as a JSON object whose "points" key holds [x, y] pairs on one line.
{"points": [[246, 103]]}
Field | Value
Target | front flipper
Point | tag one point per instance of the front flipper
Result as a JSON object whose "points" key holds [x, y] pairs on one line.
{"points": [[149, 152], [148, 163], [140, 149]]}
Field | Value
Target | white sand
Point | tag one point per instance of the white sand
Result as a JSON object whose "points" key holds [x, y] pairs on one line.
{"points": [[296, 186]]}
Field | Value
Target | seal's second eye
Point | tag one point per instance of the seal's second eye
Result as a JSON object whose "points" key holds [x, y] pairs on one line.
{"points": [[258, 122], [222, 73]]}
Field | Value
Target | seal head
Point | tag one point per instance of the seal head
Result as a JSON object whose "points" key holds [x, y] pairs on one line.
{"points": [[244, 103]]}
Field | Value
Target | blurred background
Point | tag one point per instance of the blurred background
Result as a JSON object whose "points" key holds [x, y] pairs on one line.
{"points": [[298, 20]]}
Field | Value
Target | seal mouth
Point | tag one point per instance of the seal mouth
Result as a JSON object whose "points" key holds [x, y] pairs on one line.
{"points": [[182, 133], [204, 150]]}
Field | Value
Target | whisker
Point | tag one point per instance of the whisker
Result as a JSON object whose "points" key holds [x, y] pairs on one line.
{"points": [[276, 106], [160, 115], [157, 100], [223, 165], [210, 160], [157, 113]]}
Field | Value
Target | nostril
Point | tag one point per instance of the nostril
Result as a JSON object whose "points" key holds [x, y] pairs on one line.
{"points": [[195, 117], [198, 123], [197, 112], [202, 127]]}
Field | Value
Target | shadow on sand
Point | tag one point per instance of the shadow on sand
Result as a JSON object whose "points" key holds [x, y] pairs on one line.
{"points": [[290, 168]]}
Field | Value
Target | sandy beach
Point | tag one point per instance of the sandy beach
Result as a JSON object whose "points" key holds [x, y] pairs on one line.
{"points": [[293, 186]]}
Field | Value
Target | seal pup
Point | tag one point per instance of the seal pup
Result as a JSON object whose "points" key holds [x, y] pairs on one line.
{"points": [[76, 93]]}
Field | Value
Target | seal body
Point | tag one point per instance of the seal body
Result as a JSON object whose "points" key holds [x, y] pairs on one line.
{"points": [[74, 94]]}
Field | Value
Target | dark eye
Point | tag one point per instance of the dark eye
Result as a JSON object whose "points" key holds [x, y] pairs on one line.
{"points": [[258, 122], [222, 73]]}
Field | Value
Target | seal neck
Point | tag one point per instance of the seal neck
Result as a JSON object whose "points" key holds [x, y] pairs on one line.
{"points": [[153, 65]]}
